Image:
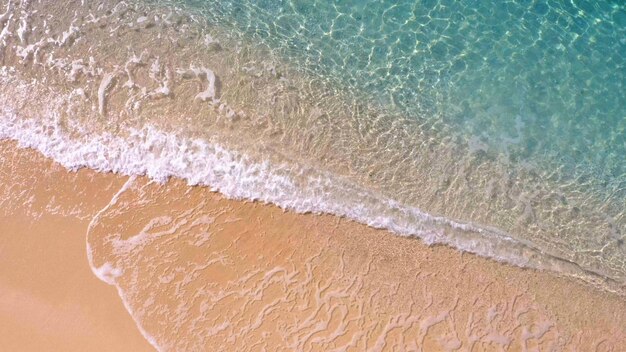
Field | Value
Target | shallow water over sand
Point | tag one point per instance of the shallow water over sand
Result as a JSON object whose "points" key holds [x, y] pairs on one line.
{"points": [[197, 94]]}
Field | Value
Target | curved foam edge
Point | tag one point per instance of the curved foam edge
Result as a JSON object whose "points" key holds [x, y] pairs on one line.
{"points": [[160, 155]]}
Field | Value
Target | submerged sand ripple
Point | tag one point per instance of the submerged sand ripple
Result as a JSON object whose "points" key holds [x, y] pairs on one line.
{"points": [[197, 271]]}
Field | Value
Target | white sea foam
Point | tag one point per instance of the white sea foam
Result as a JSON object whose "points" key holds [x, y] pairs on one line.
{"points": [[160, 155]]}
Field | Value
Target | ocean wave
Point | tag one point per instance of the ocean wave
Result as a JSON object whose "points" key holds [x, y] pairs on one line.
{"points": [[160, 155]]}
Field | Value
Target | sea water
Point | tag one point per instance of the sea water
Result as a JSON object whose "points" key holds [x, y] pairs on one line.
{"points": [[533, 89], [499, 129]]}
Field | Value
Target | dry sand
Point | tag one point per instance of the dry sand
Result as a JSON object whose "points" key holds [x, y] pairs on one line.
{"points": [[49, 298], [203, 273]]}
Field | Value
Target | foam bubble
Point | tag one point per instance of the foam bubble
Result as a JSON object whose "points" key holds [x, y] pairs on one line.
{"points": [[107, 273]]}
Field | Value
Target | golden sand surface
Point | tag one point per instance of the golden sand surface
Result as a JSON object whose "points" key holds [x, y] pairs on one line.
{"points": [[200, 272], [49, 298]]}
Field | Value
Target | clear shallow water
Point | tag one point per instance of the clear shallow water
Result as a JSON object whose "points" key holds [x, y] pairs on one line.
{"points": [[532, 79], [534, 87]]}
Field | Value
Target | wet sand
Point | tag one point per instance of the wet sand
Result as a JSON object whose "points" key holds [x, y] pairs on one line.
{"points": [[201, 272]]}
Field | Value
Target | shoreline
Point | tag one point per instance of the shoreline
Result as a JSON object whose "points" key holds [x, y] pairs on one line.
{"points": [[401, 284]]}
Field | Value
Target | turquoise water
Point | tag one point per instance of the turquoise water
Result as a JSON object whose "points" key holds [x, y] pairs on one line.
{"points": [[535, 79], [519, 107]]}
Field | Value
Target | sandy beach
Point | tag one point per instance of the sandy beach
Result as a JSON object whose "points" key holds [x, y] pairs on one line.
{"points": [[242, 149], [198, 271], [49, 298]]}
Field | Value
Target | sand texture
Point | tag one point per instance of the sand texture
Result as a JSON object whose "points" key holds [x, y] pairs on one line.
{"points": [[199, 272]]}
